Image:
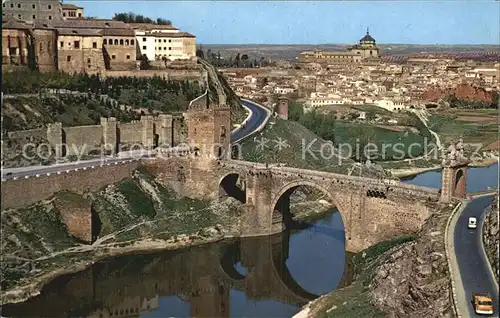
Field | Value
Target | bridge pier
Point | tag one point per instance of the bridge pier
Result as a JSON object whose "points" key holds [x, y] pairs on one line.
{"points": [[255, 217]]}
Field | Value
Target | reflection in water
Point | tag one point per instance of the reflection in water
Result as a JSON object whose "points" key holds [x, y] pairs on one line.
{"points": [[241, 277]]}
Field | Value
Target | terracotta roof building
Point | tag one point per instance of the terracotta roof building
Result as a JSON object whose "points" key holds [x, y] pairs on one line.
{"points": [[70, 11]]}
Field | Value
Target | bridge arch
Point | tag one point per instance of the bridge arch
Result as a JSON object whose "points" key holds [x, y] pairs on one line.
{"points": [[228, 185], [285, 192]]}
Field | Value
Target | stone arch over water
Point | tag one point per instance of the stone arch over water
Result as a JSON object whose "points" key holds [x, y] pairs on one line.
{"points": [[280, 204], [232, 184]]}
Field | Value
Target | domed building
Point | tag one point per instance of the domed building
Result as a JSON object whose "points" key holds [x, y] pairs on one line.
{"points": [[366, 50], [367, 47]]}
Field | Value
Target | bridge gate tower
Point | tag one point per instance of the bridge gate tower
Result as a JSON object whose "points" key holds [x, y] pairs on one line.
{"points": [[454, 174], [209, 128]]}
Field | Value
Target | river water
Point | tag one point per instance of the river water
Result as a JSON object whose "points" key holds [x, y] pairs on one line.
{"points": [[258, 277]]}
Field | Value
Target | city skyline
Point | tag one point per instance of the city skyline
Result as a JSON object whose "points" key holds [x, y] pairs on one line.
{"points": [[390, 22]]}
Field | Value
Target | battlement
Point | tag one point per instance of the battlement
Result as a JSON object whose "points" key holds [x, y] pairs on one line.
{"points": [[164, 117], [108, 119]]}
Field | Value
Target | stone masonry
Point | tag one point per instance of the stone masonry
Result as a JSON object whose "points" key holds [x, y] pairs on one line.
{"points": [[372, 210]]}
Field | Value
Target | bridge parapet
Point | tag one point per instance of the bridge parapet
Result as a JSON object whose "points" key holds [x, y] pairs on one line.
{"points": [[322, 176]]}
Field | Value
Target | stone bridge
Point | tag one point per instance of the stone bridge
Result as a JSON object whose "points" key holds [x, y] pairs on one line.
{"points": [[372, 210], [203, 276]]}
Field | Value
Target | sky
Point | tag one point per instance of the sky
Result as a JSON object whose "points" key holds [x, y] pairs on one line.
{"points": [[319, 22]]}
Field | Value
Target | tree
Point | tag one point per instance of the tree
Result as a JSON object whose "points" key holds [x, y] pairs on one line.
{"points": [[131, 17], [237, 60], [244, 58], [200, 53], [144, 65]]}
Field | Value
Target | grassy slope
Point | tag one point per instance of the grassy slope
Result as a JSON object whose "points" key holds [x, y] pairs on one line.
{"points": [[297, 137], [450, 127]]}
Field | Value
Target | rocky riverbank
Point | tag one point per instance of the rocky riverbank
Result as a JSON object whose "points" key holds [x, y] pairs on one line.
{"points": [[491, 237], [135, 215], [404, 277]]}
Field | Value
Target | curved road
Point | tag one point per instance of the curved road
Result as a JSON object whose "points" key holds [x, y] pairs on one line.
{"points": [[474, 268], [258, 117]]}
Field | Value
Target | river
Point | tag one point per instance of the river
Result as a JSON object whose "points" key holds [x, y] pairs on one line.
{"points": [[258, 277]]}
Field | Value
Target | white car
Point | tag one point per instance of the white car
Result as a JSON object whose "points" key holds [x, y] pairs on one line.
{"points": [[472, 223]]}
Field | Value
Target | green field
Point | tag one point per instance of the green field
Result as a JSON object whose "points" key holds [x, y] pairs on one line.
{"points": [[478, 126]]}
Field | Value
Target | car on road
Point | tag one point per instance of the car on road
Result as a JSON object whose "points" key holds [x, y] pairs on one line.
{"points": [[483, 304], [472, 223]]}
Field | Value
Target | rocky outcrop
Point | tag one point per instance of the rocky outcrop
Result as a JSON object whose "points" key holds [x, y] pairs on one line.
{"points": [[490, 237], [76, 213], [414, 279], [461, 91]]}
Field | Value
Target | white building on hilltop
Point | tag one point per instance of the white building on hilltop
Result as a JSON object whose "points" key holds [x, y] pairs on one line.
{"points": [[164, 41]]}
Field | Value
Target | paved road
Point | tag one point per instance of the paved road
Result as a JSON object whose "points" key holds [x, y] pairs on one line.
{"points": [[473, 265], [257, 118], [259, 115]]}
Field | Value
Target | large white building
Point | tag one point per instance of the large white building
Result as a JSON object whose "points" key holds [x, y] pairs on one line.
{"points": [[318, 100], [164, 41], [391, 105]]}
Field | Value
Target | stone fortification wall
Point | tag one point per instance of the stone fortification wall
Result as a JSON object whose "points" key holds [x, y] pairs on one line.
{"points": [[164, 130], [82, 139], [163, 125], [26, 191], [130, 133]]}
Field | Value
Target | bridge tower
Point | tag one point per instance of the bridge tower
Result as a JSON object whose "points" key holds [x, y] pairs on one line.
{"points": [[454, 174], [209, 127]]}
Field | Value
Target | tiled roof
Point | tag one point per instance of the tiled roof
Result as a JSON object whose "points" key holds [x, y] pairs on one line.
{"points": [[79, 31], [171, 35], [149, 26], [15, 24], [118, 32], [87, 24], [69, 6]]}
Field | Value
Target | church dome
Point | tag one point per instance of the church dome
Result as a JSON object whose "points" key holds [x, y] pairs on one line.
{"points": [[367, 38]]}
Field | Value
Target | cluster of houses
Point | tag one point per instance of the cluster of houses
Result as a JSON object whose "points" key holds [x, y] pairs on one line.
{"points": [[391, 86], [54, 36]]}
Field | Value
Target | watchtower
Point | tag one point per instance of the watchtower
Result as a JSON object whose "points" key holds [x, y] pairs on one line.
{"points": [[282, 108], [454, 174]]}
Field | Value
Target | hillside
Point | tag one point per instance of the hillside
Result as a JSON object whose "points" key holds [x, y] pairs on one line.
{"points": [[34, 99], [292, 144]]}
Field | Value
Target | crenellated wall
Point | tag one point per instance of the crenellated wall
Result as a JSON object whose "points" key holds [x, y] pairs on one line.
{"points": [[163, 130], [82, 139]]}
